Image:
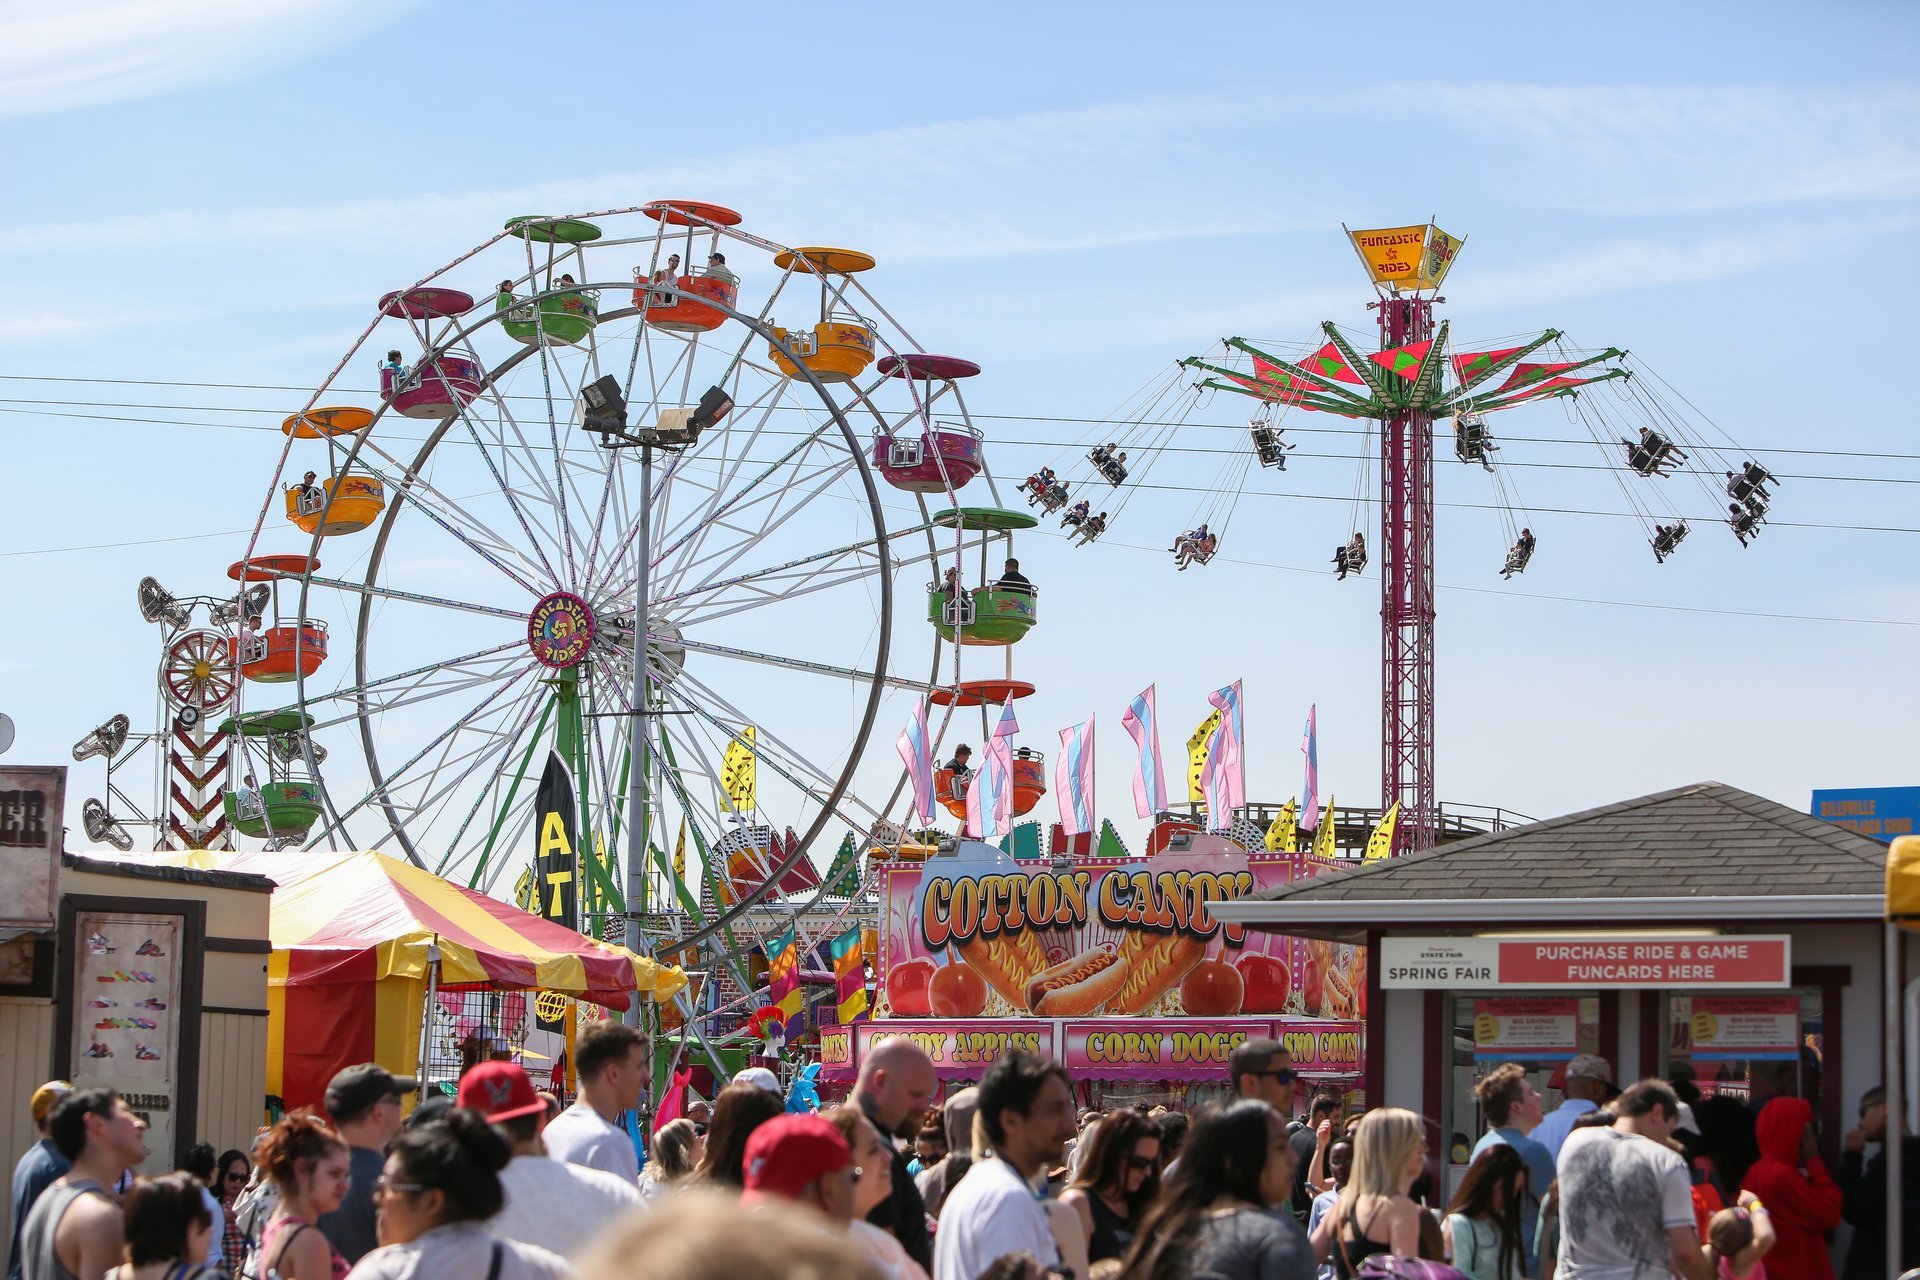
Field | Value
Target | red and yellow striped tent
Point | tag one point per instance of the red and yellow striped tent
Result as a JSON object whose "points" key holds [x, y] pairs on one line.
{"points": [[349, 971]]}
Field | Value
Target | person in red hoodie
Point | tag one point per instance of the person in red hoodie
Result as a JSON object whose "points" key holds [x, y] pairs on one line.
{"points": [[1800, 1195]]}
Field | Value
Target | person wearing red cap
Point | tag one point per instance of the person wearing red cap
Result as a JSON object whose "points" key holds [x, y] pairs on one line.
{"points": [[550, 1203], [804, 1158]]}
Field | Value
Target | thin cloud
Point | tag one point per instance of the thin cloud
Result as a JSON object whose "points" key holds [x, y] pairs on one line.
{"points": [[82, 53], [1160, 170]]}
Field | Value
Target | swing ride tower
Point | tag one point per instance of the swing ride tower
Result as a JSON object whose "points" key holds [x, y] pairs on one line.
{"points": [[1406, 592]]}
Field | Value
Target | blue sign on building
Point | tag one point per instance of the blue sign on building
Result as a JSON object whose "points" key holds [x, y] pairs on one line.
{"points": [[1879, 812]]}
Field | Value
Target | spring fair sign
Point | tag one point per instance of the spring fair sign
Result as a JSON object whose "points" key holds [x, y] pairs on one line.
{"points": [[980, 934]]}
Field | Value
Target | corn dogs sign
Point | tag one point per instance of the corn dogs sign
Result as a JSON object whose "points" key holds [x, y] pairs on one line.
{"points": [[980, 934]]}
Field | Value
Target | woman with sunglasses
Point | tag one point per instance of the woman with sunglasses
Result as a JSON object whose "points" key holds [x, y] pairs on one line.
{"points": [[1224, 1212], [229, 1180], [431, 1204], [1116, 1181]]}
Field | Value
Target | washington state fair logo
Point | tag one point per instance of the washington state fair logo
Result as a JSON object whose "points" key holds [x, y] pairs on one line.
{"points": [[559, 630]]}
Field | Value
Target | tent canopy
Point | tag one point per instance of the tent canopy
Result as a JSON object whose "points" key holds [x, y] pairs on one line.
{"points": [[337, 909]]}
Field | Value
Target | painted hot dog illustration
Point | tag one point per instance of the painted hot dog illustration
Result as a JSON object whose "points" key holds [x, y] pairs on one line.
{"points": [[1008, 962], [1078, 986], [1154, 964]]}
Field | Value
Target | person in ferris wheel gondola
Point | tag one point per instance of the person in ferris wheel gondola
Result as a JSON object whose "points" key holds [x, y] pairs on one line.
{"points": [[717, 269], [1521, 553], [311, 495], [961, 766], [1076, 514], [1011, 579], [246, 801], [394, 364]]}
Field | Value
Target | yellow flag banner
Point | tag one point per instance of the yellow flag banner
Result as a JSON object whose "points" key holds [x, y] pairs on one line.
{"points": [[680, 852], [1197, 756], [1380, 843], [1393, 254], [1437, 259], [737, 774], [1323, 839], [1284, 835]]}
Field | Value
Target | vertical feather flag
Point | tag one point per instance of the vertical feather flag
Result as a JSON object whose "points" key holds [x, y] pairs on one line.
{"points": [[990, 793], [680, 853], [737, 774], [1149, 780], [1310, 747], [1380, 843], [849, 975], [1284, 835], [1226, 776], [916, 752], [1325, 835], [783, 980], [1073, 778], [1198, 744]]}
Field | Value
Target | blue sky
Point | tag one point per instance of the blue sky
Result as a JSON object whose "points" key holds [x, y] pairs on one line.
{"points": [[1074, 196]]}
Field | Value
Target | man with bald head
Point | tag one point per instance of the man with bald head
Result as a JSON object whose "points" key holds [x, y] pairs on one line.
{"points": [[896, 1083]]}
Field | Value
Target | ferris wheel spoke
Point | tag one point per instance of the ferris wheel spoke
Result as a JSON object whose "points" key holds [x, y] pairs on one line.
{"points": [[781, 507], [426, 691], [779, 570], [734, 453], [507, 490], [853, 674], [356, 690], [384, 786], [519, 716], [414, 597]]}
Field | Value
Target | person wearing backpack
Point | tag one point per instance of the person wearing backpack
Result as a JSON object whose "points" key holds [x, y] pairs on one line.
{"points": [[1483, 1222], [1374, 1213], [169, 1230]]}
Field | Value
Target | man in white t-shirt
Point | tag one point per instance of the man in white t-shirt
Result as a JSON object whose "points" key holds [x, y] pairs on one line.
{"points": [[551, 1203], [611, 1061], [1626, 1202], [1026, 1106]]}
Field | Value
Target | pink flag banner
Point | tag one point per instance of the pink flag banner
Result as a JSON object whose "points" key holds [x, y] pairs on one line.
{"points": [[1149, 779], [990, 793], [1225, 777], [1073, 778], [916, 752], [1310, 747]]}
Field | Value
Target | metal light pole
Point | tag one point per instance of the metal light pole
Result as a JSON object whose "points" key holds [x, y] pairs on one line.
{"points": [[638, 766]]}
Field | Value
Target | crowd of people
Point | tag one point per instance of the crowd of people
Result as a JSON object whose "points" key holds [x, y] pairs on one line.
{"points": [[1004, 1180]]}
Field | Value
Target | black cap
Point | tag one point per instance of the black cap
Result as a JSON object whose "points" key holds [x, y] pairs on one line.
{"points": [[431, 1107], [357, 1088]]}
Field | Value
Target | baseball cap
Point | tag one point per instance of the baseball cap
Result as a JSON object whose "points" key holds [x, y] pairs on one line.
{"points": [[1587, 1066], [357, 1088], [762, 1078], [790, 1151], [499, 1091], [46, 1095]]}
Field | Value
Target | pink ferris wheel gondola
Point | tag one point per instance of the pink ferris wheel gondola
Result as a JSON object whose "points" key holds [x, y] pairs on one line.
{"points": [[944, 457]]}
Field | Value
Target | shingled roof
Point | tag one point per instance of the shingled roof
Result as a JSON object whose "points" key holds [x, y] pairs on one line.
{"points": [[1704, 841]]}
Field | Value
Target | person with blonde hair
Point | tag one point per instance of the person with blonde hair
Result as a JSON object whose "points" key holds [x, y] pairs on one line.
{"points": [[706, 1235], [873, 1183], [677, 1147], [1374, 1214]]}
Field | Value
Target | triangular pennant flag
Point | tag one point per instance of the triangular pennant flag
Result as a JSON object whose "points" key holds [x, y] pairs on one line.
{"points": [[1197, 746], [1404, 361], [1380, 843], [680, 852], [1283, 836], [1324, 839], [1526, 373], [737, 774]]}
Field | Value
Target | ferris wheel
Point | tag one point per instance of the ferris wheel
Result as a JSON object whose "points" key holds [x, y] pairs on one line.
{"points": [[660, 433]]}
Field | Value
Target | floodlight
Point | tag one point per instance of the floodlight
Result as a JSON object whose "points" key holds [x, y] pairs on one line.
{"points": [[714, 405], [603, 410]]}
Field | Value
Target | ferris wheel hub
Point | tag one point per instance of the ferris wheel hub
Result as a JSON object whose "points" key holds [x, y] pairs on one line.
{"points": [[560, 630]]}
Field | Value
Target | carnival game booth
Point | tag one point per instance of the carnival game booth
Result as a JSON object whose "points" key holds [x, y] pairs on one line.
{"points": [[1115, 966], [368, 951]]}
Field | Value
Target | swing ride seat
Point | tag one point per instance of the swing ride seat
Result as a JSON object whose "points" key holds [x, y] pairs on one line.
{"points": [[1266, 447], [838, 349], [1029, 780], [562, 318], [275, 655], [1114, 473], [946, 457], [999, 616], [684, 312], [439, 390], [287, 807], [357, 501]]}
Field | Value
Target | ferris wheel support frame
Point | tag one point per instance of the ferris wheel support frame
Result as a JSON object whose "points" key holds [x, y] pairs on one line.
{"points": [[1406, 596]]}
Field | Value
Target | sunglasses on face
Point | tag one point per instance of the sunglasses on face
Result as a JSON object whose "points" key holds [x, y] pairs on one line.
{"points": [[1144, 1164], [1282, 1074], [699, 1131]]}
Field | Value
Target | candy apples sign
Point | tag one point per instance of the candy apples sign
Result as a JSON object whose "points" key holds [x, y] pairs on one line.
{"points": [[981, 934]]}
